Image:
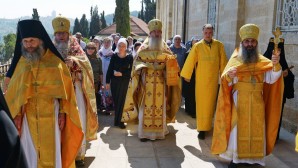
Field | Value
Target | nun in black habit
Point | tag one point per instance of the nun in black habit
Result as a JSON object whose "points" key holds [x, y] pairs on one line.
{"points": [[287, 74], [118, 76], [11, 153]]}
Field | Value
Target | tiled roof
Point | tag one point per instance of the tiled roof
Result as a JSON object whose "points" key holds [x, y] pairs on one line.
{"points": [[137, 27]]}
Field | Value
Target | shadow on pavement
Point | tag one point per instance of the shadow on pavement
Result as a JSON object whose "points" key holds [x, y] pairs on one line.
{"points": [[151, 154]]}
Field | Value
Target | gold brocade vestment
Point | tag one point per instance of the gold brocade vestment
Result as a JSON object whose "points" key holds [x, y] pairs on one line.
{"points": [[154, 90], [148, 91], [249, 115], [256, 113], [82, 67], [35, 88]]}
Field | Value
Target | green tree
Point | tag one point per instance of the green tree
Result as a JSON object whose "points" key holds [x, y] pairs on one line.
{"points": [[150, 10], [103, 20], [122, 17], [1, 52], [84, 26], [114, 19], [35, 15], [95, 21], [76, 27], [9, 45], [141, 13]]}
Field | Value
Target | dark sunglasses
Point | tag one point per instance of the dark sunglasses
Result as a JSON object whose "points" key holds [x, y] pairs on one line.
{"points": [[91, 48]]}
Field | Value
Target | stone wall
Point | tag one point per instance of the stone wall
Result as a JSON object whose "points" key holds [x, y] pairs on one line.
{"points": [[231, 15], [229, 21], [290, 119], [196, 10]]}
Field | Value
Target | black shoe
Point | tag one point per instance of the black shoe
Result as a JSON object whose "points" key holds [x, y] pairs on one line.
{"points": [[232, 165], [255, 165], [144, 139], [80, 163], [201, 135], [107, 113], [122, 126]]}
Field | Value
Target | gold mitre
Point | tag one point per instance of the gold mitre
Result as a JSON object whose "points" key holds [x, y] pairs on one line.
{"points": [[249, 31], [60, 24], [154, 24]]}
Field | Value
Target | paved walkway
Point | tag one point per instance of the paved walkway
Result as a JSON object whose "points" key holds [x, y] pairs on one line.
{"points": [[117, 148]]}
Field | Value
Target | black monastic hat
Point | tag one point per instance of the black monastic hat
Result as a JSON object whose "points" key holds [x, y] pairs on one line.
{"points": [[30, 28]]}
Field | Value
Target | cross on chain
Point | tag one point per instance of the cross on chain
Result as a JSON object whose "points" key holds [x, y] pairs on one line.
{"points": [[35, 84]]}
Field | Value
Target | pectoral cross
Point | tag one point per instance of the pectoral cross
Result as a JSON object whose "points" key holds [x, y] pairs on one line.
{"points": [[35, 75], [35, 85], [253, 80]]}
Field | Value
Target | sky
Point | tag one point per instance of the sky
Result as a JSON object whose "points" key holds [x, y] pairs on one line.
{"points": [[68, 8]]}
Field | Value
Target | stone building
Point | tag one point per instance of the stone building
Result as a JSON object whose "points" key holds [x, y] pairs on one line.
{"points": [[186, 18]]}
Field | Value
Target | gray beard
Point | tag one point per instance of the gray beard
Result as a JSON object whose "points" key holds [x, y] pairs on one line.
{"points": [[249, 55], [35, 55], [155, 43], [62, 47]]}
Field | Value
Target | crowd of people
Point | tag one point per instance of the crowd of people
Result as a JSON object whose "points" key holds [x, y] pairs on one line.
{"points": [[55, 89]]}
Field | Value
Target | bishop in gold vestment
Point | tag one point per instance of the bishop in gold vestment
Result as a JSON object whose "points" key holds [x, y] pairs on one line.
{"points": [[148, 93], [249, 103], [83, 80], [41, 99]]}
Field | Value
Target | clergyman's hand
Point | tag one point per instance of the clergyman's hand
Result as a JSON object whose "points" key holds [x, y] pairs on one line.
{"points": [[232, 73], [69, 62], [275, 57], [187, 80], [285, 72], [61, 120], [18, 122]]}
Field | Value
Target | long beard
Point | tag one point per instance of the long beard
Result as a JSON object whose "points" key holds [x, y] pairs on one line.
{"points": [[62, 47], [249, 55], [35, 55], [155, 43]]}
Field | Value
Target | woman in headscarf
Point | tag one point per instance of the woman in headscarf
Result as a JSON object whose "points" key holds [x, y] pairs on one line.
{"points": [[117, 79], [105, 54], [96, 64]]}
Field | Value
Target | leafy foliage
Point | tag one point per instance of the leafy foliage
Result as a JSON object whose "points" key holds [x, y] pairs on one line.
{"points": [[77, 26], [122, 17], [150, 10], [103, 20], [7, 50], [95, 21], [84, 26]]}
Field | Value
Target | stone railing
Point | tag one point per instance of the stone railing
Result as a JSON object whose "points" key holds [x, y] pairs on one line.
{"points": [[4, 69]]}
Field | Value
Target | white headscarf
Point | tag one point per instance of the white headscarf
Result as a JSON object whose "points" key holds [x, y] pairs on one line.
{"points": [[121, 40]]}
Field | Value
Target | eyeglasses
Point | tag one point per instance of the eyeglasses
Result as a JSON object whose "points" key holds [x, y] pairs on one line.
{"points": [[91, 48]]}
